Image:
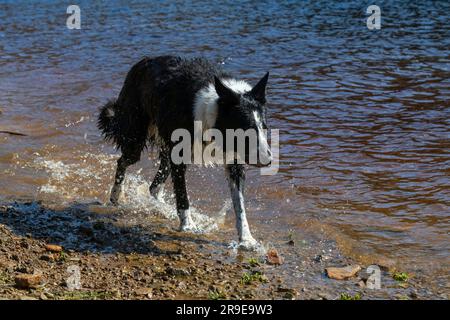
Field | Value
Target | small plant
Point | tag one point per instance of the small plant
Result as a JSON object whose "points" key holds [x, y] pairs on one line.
{"points": [[253, 262], [62, 256], [400, 276], [346, 296], [291, 240], [248, 278], [216, 295], [290, 235]]}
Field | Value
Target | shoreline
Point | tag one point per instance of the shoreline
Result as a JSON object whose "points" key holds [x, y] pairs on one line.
{"points": [[144, 258]]}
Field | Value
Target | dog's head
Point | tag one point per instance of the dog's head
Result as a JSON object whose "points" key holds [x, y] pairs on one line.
{"points": [[245, 112]]}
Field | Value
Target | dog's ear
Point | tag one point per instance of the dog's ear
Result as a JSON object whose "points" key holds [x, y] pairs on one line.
{"points": [[224, 92], [259, 91]]}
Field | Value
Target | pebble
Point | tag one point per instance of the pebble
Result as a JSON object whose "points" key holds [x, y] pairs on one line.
{"points": [[148, 292], [177, 271], [48, 257], [342, 273], [53, 248], [289, 293], [27, 281], [273, 257]]}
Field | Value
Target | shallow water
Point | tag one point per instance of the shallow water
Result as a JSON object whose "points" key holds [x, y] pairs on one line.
{"points": [[364, 115]]}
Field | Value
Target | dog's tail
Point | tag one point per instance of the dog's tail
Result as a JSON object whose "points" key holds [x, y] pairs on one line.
{"points": [[109, 123], [126, 127], [124, 121]]}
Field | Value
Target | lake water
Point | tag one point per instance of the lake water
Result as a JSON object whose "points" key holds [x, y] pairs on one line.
{"points": [[363, 114]]}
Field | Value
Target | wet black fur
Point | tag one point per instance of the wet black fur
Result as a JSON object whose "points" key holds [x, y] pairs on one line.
{"points": [[158, 92]]}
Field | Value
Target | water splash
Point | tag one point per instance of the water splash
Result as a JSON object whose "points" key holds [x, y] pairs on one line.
{"points": [[88, 182]]}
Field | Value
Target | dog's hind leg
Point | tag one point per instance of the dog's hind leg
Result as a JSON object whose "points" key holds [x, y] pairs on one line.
{"points": [[161, 176], [178, 172], [236, 179], [128, 158]]}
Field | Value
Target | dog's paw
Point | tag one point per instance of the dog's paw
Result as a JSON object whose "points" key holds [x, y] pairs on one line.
{"points": [[249, 244], [188, 227], [158, 198], [115, 195], [158, 194]]}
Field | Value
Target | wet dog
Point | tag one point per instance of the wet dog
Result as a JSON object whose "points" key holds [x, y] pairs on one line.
{"points": [[166, 93]]}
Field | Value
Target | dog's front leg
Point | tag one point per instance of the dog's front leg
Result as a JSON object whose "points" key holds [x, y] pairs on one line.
{"points": [[179, 184], [236, 179]]}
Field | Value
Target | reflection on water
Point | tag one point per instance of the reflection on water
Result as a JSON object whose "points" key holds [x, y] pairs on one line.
{"points": [[364, 115]]}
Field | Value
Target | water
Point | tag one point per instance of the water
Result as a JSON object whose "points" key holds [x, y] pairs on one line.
{"points": [[363, 115]]}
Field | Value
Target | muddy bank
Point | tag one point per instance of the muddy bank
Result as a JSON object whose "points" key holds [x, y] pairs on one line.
{"points": [[145, 258]]}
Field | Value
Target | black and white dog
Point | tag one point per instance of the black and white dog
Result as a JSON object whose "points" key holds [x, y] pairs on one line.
{"points": [[166, 93]]}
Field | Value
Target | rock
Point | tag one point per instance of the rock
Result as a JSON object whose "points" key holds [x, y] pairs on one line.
{"points": [[74, 259], [289, 293], [27, 298], [7, 265], [273, 257], [116, 293], [342, 273], [177, 272], [53, 248], [48, 257], [325, 296], [27, 281], [148, 292], [24, 244], [318, 258]]}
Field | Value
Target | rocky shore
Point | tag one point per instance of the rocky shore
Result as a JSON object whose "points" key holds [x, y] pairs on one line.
{"points": [[42, 247]]}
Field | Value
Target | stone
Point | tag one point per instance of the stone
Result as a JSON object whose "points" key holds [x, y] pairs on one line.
{"points": [[27, 298], [48, 257], [177, 272], [325, 296], [342, 273], [148, 292], [273, 257], [318, 258], [27, 281], [53, 248], [288, 293]]}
